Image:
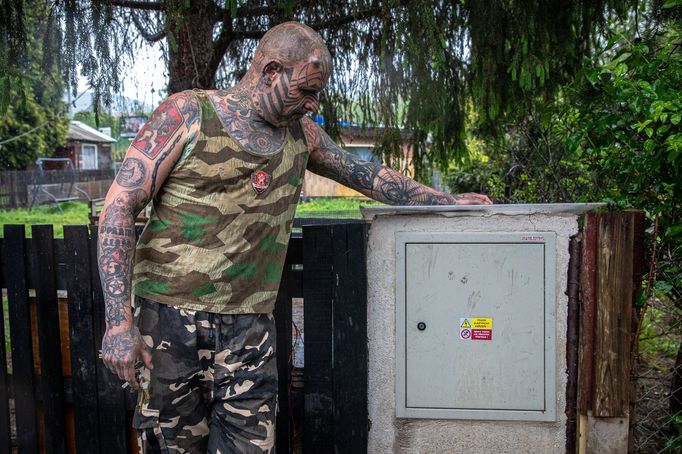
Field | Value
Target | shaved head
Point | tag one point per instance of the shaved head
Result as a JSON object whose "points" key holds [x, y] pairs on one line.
{"points": [[290, 43]]}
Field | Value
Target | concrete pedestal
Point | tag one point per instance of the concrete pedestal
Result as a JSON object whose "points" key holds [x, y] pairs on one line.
{"points": [[389, 434]]}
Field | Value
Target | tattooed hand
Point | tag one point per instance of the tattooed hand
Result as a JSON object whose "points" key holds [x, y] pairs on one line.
{"points": [[121, 349], [471, 198]]}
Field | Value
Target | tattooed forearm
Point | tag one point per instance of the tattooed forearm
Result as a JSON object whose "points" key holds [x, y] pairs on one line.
{"points": [[375, 180], [396, 189], [116, 252], [344, 168]]}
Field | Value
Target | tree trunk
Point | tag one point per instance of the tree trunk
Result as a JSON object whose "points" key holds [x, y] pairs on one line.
{"points": [[190, 39]]}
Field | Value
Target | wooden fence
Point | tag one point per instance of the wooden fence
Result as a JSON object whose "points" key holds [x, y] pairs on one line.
{"points": [[63, 399], [16, 185]]}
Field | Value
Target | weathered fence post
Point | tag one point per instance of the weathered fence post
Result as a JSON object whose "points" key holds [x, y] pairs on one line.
{"points": [[608, 278]]}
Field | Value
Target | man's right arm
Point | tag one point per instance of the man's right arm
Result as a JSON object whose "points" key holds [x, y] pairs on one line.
{"points": [[171, 128]]}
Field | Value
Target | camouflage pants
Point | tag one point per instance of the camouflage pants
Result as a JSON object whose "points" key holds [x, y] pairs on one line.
{"points": [[213, 388]]}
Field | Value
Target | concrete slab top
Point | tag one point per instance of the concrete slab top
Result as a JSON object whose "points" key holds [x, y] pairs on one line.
{"points": [[557, 209]]}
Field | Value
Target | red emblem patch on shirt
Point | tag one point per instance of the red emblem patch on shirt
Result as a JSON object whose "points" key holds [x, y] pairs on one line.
{"points": [[260, 181]]}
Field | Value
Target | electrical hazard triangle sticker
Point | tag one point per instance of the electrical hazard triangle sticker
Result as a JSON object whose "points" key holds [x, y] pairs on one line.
{"points": [[464, 323]]}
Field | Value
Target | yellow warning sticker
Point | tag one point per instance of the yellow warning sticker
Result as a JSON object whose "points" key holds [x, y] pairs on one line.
{"points": [[464, 323], [482, 323]]}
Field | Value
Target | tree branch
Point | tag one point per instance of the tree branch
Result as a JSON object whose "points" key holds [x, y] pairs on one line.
{"points": [[224, 15], [343, 20], [257, 10], [248, 34], [149, 6], [152, 38], [220, 46]]}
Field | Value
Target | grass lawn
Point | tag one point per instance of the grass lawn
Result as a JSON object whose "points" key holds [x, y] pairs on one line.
{"points": [[332, 208], [77, 213], [74, 213]]}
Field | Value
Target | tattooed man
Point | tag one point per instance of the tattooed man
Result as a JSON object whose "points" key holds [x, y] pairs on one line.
{"points": [[224, 171]]}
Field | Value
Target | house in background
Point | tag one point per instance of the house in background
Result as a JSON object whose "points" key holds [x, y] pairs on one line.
{"points": [[359, 142], [88, 148]]}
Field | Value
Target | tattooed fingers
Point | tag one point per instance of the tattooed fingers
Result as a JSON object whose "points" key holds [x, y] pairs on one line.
{"points": [[471, 198]]}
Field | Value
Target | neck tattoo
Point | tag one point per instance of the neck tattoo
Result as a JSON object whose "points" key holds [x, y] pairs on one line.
{"points": [[237, 115]]}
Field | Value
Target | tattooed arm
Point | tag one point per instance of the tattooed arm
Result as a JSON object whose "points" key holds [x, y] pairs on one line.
{"points": [[172, 127], [371, 179]]}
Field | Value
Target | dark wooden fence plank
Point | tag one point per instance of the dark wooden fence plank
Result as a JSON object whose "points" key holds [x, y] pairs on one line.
{"points": [[47, 308], [20, 336], [83, 353], [350, 338], [318, 435], [284, 357], [5, 435], [113, 425]]}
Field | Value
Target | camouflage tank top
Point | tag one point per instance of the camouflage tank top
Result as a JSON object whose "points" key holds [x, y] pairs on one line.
{"points": [[219, 229]]}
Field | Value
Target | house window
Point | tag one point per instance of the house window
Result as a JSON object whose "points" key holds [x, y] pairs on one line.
{"points": [[366, 153], [88, 157]]}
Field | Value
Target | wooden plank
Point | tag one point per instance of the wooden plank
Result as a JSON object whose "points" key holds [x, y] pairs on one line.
{"points": [[588, 287], [83, 354], [284, 357], [113, 427], [20, 336], [613, 316], [52, 385], [572, 344], [5, 434], [318, 435], [350, 338]]}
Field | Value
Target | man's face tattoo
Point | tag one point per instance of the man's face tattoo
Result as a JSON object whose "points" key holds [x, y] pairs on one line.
{"points": [[286, 93]]}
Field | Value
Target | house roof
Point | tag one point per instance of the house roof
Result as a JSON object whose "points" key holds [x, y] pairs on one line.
{"points": [[81, 132]]}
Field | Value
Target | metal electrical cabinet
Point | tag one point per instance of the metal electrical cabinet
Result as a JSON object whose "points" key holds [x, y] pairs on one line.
{"points": [[475, 326]]}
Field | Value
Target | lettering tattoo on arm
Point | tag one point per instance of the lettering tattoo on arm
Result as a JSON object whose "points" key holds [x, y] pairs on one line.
{"points": [[117, 248]]}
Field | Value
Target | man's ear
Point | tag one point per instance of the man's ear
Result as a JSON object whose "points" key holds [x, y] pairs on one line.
{"points": [[271, 70]]}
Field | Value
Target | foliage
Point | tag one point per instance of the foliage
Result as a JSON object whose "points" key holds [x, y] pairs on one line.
{"points": [[402, 63], [33, 122], [528, 164], [23, 116], [629, 131], [102, 120]]}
